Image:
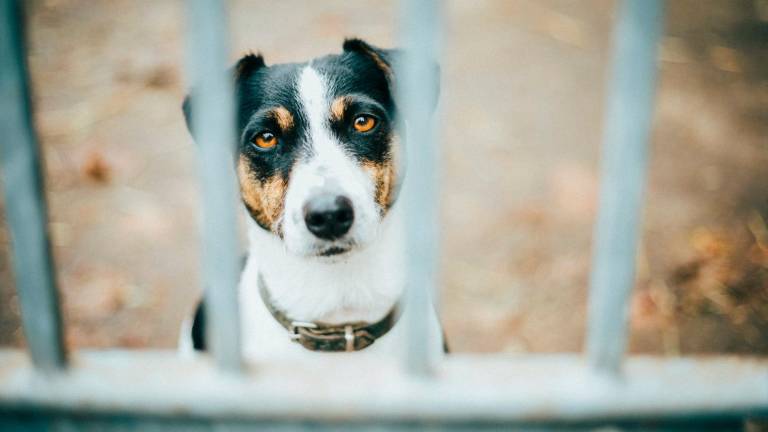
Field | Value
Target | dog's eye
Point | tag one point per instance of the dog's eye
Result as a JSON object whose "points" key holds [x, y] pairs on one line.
{"points": [[264, 140], [364, 123]]}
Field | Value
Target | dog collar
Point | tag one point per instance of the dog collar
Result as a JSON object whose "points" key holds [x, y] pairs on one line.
{"points": [[318, 336]]}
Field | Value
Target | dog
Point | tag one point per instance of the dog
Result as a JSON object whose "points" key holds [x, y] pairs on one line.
{"points": [[320, 164]]}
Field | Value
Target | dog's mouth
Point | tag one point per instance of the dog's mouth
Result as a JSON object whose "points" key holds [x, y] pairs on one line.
{"points": [[334, 251]]}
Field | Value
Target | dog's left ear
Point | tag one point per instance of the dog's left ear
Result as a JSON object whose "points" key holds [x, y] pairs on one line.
{"points": [[387, 60]]}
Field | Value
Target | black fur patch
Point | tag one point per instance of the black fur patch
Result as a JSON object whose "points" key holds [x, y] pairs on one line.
{"points": [[199, 321], [198, 328], [256, 95]]}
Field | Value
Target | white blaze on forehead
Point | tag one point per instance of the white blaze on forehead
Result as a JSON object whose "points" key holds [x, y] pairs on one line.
{"points": [[328, 157], [313, 91]]}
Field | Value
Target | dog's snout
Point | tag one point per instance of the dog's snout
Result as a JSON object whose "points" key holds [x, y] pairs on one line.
{"points": [[329, 217]]}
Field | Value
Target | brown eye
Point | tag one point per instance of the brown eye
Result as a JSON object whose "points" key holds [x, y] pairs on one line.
{"points": [[264, 140], [364, 123]]}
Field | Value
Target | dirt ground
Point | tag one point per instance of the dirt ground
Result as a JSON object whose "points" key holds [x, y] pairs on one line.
{"points": [[522, 102]]}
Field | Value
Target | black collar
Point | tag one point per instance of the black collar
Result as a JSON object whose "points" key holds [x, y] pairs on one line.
{"points": [[318, 336]]}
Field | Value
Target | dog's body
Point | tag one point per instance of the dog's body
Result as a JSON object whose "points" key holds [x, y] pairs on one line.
{"points": [[320, 167]]}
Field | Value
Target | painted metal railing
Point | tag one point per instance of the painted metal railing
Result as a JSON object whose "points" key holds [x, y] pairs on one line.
{"points": [[214, 122], [148, 389], [625, 154], [25, 201], [420, 26]]}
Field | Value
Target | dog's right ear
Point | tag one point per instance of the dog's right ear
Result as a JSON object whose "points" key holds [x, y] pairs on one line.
{"points": [[244, 68], [388, 60]]}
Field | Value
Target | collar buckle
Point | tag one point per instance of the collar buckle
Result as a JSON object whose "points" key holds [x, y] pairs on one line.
{"points": [[297, 325], [349, 338]]}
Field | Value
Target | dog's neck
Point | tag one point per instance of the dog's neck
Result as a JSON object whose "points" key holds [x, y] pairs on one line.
{"points": [[360, 286]]}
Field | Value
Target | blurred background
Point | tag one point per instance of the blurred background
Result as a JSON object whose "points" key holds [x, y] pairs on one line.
{"points": [[522, 101]]}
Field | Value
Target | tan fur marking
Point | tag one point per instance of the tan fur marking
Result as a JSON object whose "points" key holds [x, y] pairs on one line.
{"points": [[383, 175], [264, 200], [284, 118], [338, 107]]}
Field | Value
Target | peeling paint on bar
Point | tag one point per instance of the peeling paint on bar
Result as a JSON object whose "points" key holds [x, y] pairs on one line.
{"points": [[213, 121], [628, 117], [25, 201]]}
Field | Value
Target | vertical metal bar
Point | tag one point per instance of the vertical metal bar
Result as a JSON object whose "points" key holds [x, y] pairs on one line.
{"points": [[24, 198], [213, 121], [627, 125], [420, 25]]}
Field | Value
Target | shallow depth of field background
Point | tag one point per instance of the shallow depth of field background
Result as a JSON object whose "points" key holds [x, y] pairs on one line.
{"points": [[522, 98]]}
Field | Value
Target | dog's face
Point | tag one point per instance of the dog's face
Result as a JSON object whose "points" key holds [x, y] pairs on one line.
{"points": [[318, 158]]}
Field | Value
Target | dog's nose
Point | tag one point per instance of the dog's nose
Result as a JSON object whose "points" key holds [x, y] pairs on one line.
{"points": [[329, 216]]}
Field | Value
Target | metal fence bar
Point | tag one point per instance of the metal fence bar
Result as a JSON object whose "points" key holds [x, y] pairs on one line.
{"points": [[24, 199], [624, 159], [419, 26], [214, 125]]}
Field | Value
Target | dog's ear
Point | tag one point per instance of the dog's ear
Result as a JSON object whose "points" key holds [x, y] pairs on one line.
{"points": [[246, 66], [384, 59], [243, 69], [387, 60]]}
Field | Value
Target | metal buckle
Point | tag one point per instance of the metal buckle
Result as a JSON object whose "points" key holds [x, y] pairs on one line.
{"points": [[296, 325], [349, 336]]}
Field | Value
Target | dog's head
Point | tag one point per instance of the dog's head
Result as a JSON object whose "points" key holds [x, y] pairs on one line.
{"points": [[319, 154]]}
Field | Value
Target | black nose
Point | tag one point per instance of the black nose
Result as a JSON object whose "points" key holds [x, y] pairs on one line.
{"points": [[329, 216]]}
